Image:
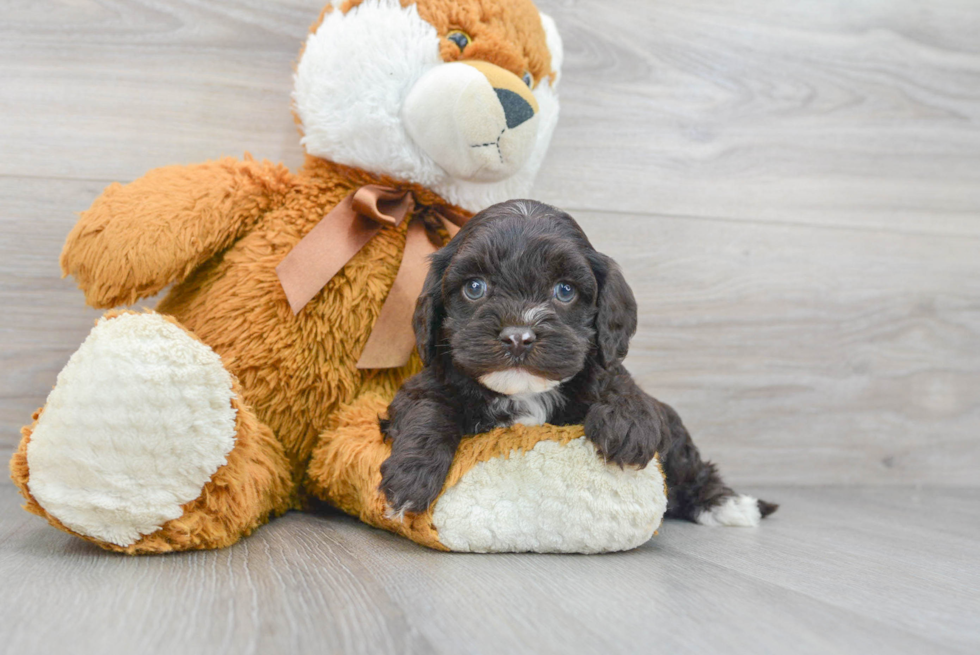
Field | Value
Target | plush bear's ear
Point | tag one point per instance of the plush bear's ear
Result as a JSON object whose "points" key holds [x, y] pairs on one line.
{"points": [[429, 309], [615, 322]]}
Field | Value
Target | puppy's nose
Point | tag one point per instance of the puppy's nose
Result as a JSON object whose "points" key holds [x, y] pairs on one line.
{"points": [[517, 340]]}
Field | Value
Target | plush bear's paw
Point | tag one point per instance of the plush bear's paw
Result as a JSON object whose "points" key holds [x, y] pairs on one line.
{"points": [[139, 421], [540, 489], [551, 498]]}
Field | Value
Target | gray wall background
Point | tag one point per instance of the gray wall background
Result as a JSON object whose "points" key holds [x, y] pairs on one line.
{"points": [[793, 192]]}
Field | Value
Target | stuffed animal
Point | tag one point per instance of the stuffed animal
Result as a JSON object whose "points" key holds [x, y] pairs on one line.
{"points": [[257, 382]]}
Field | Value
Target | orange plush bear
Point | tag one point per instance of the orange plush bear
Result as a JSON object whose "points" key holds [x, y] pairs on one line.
{"points": [[258, 380]]}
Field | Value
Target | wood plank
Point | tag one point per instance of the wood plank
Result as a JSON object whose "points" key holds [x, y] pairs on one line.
{"points": [[114, 88], [808, 355], [869, 551], [860, 114], [848, 571], [46, 318]]}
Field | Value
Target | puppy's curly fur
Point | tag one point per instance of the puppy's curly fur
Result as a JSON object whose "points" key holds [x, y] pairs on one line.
{"points": [[522, 321]]}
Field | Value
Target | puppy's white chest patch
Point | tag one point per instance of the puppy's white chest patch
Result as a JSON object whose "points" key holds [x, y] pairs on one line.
{"points": [[527, 398], [517, 382], [534, 410], [530, 408]]}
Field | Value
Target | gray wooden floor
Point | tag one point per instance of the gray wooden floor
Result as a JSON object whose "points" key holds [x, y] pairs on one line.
{"points": [[793, 191], [860, 570]]}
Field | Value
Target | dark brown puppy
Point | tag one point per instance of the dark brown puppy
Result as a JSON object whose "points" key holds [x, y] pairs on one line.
{"points": [[522, 321]]}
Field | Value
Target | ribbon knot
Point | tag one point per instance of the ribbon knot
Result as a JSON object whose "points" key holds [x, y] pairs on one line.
{"points": [[382, 204], [339, 235]]}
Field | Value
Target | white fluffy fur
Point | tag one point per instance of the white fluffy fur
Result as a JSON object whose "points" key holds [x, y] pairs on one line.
{"points": [[517, 381], [535, 410], [531, 408], [139, 421], [737, 511], [352, 81], [552, 499], [530, 316], [555, 46]]}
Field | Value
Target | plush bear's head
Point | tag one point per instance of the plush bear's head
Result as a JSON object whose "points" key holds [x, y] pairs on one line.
{"points": [[459, 96]]}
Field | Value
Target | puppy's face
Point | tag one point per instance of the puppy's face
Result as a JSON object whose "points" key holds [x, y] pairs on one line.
{"points": [[521, 300]]}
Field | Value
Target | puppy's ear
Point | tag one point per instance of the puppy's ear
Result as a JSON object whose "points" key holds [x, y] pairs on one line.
{"points": [[429, 310], [615, 321]]}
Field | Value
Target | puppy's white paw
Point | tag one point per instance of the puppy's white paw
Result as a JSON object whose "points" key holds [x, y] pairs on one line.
{"points": [[735, 511]]}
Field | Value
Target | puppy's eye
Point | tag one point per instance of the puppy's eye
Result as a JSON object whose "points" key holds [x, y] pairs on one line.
{"points": [[528, 79], [460, 38], [475, 289], [564, 292]]}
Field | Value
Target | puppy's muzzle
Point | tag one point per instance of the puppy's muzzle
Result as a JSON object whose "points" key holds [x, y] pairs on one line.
{"points": [[518, 341]]}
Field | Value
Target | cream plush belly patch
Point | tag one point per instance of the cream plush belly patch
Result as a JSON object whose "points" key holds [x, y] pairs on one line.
{"points": [[139, 421]]}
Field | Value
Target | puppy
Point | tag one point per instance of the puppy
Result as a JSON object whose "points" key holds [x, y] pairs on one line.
{"points": [[521, 321]]}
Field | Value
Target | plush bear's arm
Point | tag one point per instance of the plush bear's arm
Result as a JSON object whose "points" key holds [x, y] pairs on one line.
{"points": [[139, 237]]}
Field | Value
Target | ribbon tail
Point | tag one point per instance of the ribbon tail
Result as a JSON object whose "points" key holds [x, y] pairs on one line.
{"points": [[450, 227], [392, 340], [452, 216]]}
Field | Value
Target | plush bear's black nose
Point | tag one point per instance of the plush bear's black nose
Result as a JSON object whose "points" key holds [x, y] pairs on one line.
{"points": [[517, 340], [517, 110]]}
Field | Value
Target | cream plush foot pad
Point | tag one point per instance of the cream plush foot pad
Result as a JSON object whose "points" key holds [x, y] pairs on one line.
{"points": [[139, 421], [553, 498]]}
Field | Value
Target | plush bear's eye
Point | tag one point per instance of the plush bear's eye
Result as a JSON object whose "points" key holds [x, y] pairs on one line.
{"points": [[460, 38], [528, 79], [475, 288], [564, 292]]}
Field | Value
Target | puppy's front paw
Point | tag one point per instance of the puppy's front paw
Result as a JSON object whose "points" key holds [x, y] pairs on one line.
{"points": [[411, 485], [624, 435]]}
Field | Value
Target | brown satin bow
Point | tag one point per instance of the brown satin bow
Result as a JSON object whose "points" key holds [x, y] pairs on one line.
{"points": [[339, 236]]}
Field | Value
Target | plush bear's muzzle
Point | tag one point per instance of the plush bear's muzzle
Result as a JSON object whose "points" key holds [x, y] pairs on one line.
{"points": [[476, 120]]}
